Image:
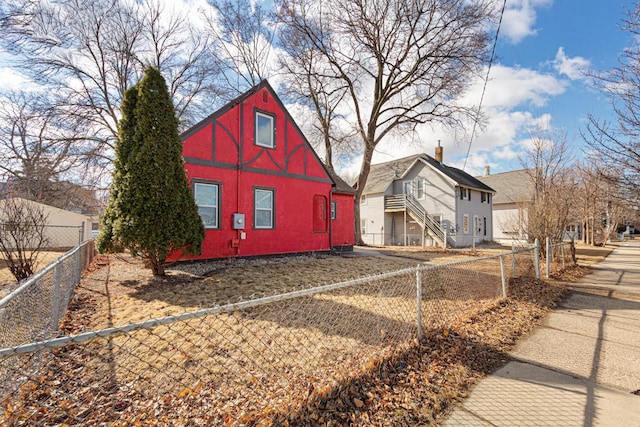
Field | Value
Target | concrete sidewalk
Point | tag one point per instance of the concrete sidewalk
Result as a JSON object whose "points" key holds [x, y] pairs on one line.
{"points": [[581, 367]]}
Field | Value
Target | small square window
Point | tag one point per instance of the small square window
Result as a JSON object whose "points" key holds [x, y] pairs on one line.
{"points": [[265, 135], [207, 200]]}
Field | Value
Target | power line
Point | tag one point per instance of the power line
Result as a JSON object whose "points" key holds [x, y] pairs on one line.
{"points": [[484, 87]]}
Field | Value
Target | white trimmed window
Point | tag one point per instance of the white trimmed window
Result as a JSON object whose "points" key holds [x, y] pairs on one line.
{"points": [[334, 208], [465, 224], [207, 198], [263, 208], [265, 126], [420, 188]]}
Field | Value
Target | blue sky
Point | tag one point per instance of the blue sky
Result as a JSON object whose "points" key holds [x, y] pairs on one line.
{"points": [[543, 50], [537, 79]]}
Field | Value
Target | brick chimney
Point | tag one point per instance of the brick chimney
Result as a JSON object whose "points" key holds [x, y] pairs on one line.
{"points": [[487, 171], [439, 153]]}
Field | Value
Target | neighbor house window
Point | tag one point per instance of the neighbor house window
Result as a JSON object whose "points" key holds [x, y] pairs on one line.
{"points": [[420, 188], [483, 197], [334, 209], [263, 208], [465, 223], [463, 193], [265, 130], [208, 200], [363, 226], [407, 188], [363, 199]]}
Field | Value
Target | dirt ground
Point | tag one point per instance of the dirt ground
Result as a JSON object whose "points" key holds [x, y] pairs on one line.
{"points": [[411, 385], [123, 283]]}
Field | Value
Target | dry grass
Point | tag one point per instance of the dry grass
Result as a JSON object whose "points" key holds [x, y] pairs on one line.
{"points": [[590, 255], [8, 282], [125, 291], [274, 353]]}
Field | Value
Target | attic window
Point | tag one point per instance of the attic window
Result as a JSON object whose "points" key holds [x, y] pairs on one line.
{"points": [[265, 130]]}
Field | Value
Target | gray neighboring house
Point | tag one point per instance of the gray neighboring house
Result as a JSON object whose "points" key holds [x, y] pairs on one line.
{"points": [[418, 200], [514, 195]]}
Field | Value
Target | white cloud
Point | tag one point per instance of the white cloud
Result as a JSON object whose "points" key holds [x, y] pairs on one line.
{"points": [[513, 107], [11, 79], [574, 68], [520, 17], [510, 87]]}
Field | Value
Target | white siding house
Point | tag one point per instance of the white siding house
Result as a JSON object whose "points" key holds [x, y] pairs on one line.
{"points": [[514, 195], [418, 200], [64, 229]]}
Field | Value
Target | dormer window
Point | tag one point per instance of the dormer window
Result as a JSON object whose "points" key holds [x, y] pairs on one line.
{"points": [[265, 130]]}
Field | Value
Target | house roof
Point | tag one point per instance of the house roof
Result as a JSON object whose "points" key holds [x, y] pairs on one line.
{"points": [[511, 187], [339, 185], [48, 209], [383, 174]]}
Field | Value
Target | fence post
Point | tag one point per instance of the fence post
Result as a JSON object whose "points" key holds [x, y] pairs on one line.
{"points": [[55, 309], [536, 258], [419, 301], [504, 277], [513, 258], [548, 256], [562, 250], [81, 234]]}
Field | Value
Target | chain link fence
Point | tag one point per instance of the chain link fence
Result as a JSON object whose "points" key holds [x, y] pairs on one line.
{"points": [[558, 256], [55, 237], [243, 362], [32, 311]]}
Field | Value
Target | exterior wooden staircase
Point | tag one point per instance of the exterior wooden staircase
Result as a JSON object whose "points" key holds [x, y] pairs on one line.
{"points": [[408, 204]]}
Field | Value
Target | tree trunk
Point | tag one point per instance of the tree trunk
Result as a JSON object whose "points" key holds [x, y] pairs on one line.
{"points": [[365, 168], [157, 266]]}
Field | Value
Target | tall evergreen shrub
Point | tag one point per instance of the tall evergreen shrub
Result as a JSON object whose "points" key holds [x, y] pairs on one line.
{"points": [[151, 210]]}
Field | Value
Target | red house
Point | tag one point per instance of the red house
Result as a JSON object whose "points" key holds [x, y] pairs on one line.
{"points": [[260, 187]]}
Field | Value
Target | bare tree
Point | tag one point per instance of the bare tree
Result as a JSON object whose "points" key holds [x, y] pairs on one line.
{"points": [[547, 162], [22, 235], [312, 82], [39, 147], [618, 142], [401, 63], [244, 35], [88, 52]]}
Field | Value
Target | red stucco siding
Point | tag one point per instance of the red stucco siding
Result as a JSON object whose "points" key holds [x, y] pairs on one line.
{"points": [[342, 233], [222, 150]]}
